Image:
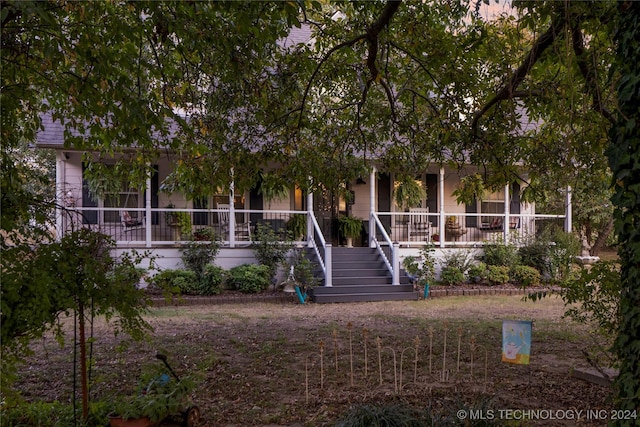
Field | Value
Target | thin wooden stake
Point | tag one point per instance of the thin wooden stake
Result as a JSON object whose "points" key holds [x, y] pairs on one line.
{"points": [[364, 338], [459, 345], [444, 353], [321, 365], [349, 328], [335, 347], [379, 343], [430, 349]]}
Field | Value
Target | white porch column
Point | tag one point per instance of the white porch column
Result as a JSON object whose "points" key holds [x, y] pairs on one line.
{"points": [[59, 194], [507, 206], [441, 203], [310, 229], [232, 213], [568, 209], [395, 264], [372, 205], [147, 212], [328, 262]]}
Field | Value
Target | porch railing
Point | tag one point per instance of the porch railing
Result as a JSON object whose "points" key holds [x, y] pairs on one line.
{"points": [[322, 249], [388, 252], [161, 226], [464, 229]]}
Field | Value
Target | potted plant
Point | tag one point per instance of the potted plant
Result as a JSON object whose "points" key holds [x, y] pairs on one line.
{"points": [[181, 221], [421, 269], [273, 187], [159, 396], [297, 226], [128, 413], [408, 192], [350, 228]]}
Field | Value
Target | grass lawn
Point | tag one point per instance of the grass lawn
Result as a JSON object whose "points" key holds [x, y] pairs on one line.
{"points": [[289, 364]]}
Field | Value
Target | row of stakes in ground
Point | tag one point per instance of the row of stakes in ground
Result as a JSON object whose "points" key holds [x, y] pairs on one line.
{"points": [[443, 375]]}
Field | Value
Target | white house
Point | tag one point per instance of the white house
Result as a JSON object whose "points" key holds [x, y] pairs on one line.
{"points": [[145, 218]]}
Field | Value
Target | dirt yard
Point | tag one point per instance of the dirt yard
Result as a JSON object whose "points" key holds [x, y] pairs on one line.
{"points": [[286, 364]]}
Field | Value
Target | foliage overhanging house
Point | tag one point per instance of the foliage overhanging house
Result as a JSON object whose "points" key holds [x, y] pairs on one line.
{"points": [[148, 218]]}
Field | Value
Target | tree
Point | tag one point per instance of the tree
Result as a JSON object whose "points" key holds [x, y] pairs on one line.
{"points": [[405, 83], [76, 273]]}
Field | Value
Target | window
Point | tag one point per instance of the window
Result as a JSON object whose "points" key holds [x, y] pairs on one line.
{"points": [[493, 203], [127, 198]]}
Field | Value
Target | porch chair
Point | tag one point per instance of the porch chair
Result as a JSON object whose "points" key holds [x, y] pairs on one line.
{"points": [[242, 229], [419, 225], [129, 223]]}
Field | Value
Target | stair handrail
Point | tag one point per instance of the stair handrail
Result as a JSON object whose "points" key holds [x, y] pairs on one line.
{"points": [[393, 265], [325, 262]]}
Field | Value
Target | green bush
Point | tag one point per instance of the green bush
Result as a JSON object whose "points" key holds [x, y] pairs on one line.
{"points": [[477, 273], [182, 281], [269, 248], [498, 274], [459, 259], [566, 246], [187, 282], [451, 276], [423, 267], [500, 254], [212, 280], [201, 251], [250, 278], [389, 415], [525, 275], [594, 297], [536, 255]]}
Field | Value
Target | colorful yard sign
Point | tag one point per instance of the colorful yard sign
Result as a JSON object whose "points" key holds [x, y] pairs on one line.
{"points": [[516, 341]]}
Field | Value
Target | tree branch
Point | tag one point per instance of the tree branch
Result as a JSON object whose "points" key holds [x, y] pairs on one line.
{"points": [[371, 36], [518, 76], [589, 74]]}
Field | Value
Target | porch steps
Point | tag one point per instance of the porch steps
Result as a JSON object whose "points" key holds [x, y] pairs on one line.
{"points": [[359, 274]]}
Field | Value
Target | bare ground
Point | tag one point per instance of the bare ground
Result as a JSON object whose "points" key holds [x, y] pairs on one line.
{"points": [[289, 364]]}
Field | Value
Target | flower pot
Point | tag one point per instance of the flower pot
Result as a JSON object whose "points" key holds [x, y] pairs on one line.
{"points": [[118, 421]]}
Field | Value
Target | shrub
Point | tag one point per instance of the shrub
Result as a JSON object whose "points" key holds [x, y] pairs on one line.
{"points": [[458, 259], [498, 274], [500, 254], [212, 280], [390, 415], [250, 278], [595, 296], [477, 273], [551, 253], [201, 251], [536, 255], [186, 282], [525, 275], [451, 276], [182, 281], [421, 268], [566, 246], [269, 249]]}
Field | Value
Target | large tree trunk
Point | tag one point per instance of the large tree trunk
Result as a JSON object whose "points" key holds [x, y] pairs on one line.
{"points": [[601, 240]]}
